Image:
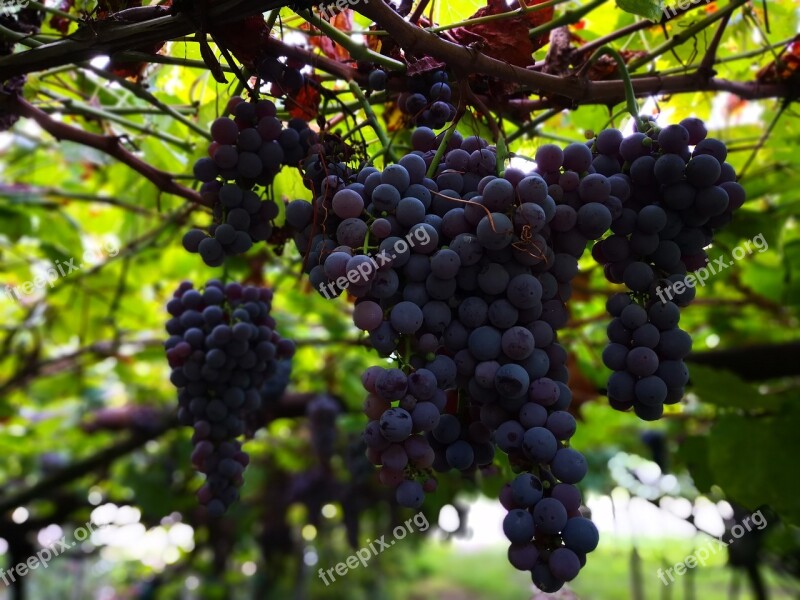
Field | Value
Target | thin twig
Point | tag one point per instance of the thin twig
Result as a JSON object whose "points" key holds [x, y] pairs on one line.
{"points": [[109, 145], [707, 65]]}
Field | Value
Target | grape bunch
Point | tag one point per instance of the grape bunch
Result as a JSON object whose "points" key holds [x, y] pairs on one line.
{"points": [[550, 516], [427, 102], [646, 353], [322, 412], [247, 152], [284, 78], [222, 349], [394, 435], [463, 279], [676, 190]]}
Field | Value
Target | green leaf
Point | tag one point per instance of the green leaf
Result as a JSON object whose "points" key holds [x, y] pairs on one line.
{"points": [[649, 9], [14, 223], [753, 461], [724, 388], [693, 452]]}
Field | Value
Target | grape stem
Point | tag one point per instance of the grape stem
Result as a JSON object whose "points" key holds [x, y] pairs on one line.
{"points": [[479, 104], [373, 120], [533, 124], [355, 49], [625, 76], [441, 150], [462, 107], [90, 112]]}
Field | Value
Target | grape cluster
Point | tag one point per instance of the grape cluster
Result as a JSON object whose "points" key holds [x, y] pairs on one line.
{"points": [[462, 278], [222, 349], [284, 78], [546, 512], [397, 437], [428, 100], [322, 412], [675, 189], [247, 152]]}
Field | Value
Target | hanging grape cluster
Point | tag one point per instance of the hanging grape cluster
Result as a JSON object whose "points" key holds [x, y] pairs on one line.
{"points": [[463, 278], [461, 272], [222, 349], [428, 99], [679, 191], [247, 152]]}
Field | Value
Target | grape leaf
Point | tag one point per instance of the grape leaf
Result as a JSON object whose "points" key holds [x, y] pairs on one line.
{"points": [[304, 104], [752, 460], [649, 9], [343, 22], [505, 39], [724, 388], [693, 452], [14, 223]]}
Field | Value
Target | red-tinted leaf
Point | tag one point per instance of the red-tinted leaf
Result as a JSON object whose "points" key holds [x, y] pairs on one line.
{"points": [[787, 67], [505, 39], [374, 42], [305, 103], [323, 42], [343, 22], [424, 65]]}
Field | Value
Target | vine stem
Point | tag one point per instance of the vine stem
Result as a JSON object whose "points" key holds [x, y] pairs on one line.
{"points": [[417, 41], [116, 36], [517, 12], [91, 112], [687, 33], [53, 11], [529, 127], [355, 49], [633, 28], [373, 120], [462, 107], [440, 151], [707, 65], [134, 89], [630, 95]]}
